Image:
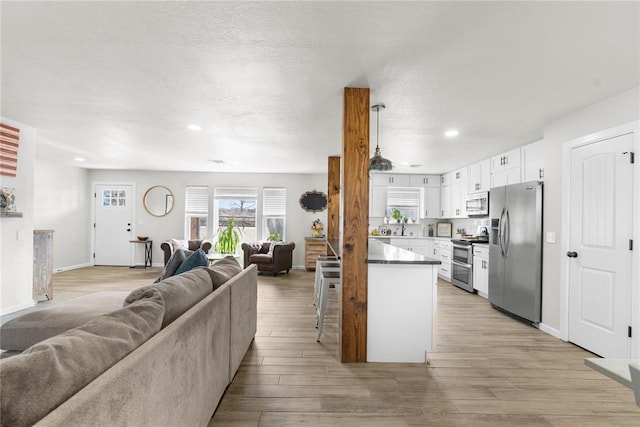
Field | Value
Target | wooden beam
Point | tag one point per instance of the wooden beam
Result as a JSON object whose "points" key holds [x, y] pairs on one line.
{"points": [[355, 225], [333, 205]]}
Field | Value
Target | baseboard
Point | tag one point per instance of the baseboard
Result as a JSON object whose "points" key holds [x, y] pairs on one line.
{"points": [[16, 307], [549, 330], [71, 267]]}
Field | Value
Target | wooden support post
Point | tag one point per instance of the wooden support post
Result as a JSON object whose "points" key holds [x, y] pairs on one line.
{"points": [[355, 225], [333, 205]]}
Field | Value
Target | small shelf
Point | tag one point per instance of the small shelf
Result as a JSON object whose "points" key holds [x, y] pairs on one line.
{"points": [[10, 214]]}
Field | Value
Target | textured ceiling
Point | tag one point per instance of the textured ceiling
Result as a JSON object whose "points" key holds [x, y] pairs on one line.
{"points": [[117, 83]]}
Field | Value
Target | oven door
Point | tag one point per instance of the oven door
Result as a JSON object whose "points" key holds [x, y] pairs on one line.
{"points": [[462, 275], [462, 254]]}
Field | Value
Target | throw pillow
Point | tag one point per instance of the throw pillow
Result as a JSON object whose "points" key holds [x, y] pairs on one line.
{"points": [[222, 270], [47, 374], [272, 247], [57, 317], [196, 259], [176, 260], [179, 244]]}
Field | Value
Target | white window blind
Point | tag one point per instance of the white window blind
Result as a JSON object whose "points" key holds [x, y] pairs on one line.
{"points": [[197, 200], [398, 196], [274, 202], [236, 193]]}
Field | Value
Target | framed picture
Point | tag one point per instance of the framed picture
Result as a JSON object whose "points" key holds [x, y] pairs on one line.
{"points": [[444, 229]]}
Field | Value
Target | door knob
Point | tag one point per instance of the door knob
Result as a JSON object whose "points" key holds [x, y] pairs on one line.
{"points": [[572, 254]]}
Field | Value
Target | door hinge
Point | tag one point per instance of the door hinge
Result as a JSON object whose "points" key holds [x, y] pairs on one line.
{"points": [[629, 332], [630, 244]]}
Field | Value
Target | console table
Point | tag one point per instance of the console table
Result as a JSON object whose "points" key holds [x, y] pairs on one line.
{"points": [[148, 254]]}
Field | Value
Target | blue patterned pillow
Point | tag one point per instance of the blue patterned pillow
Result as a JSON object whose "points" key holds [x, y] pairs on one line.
{"points": [[196, 259]]}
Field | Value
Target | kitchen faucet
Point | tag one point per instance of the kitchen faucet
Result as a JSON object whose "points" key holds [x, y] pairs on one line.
{"points": [[404, 227]]}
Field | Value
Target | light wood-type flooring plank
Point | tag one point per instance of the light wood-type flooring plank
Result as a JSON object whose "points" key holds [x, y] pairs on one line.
{"points": [[488, 369]]}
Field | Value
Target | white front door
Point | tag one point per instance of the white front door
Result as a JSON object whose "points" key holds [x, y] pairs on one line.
{"points": [[113, 224], [599, 254]]}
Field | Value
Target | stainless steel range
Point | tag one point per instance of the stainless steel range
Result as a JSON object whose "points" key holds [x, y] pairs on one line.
{"points": [[462, 264], [462, 259]]}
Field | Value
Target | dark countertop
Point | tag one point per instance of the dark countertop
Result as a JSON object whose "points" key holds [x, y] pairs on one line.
{"points": [[382, 253]]}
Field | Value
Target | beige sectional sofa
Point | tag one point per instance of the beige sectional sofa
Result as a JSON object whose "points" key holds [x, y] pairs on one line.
{"points": [[173, 374]]}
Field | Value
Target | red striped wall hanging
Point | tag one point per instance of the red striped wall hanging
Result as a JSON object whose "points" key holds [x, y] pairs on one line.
{"points": [[9, 140]]}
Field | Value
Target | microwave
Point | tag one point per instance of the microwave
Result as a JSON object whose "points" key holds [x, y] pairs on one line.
{"points": [[478, 204]]}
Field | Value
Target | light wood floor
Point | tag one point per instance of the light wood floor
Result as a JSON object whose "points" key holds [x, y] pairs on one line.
{"points": [[488, 369]]}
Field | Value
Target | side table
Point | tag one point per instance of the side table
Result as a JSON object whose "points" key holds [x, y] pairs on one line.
{"points": [[148, 254]]}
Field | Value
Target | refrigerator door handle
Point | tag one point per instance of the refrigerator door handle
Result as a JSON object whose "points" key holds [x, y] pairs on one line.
{"points": [[500, 231], [507, 234]]}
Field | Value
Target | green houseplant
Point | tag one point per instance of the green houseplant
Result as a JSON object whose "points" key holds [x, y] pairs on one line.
{"points": [[228, 238], [396, 214], [274, 237]]}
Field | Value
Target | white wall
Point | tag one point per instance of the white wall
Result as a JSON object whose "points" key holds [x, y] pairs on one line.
{"points": [[62, 204], [621, 109], [16, 234], [298, 222]]}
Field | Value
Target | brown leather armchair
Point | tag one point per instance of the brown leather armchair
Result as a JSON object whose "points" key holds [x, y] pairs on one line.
{"points": [[167, 247], [274, 260]]}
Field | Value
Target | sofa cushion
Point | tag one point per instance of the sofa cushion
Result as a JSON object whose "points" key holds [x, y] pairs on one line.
{"points": [[222, 270], [196, 259], [47, 374], [176, 260], [57, 317], [261, 259], [179, 244], [180, 292]]}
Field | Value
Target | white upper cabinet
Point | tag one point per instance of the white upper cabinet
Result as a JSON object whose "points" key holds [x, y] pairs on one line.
{"points": [[508, 160], [431, 205], [391, 179], [457, 207], [479, 177], [377, 200], [445, 199], [532, 162], [505, 168], [425, 180]]}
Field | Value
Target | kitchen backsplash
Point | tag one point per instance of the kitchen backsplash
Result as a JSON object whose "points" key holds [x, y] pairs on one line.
{"points": [[420, 229]]}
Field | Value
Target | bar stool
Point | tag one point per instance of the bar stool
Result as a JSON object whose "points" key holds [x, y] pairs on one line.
{"points": [[328, 278], [320, 267]]}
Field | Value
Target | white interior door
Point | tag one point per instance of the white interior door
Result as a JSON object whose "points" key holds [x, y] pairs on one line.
{"points": [[599, 254], [113, 224]]}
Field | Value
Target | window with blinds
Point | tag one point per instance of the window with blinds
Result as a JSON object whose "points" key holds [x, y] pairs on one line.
{"points": [[274, 211], [405, 197], [196, 212]]}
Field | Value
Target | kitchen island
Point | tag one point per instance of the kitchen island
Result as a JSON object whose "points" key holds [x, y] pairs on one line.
{"points": [[401, 302]]}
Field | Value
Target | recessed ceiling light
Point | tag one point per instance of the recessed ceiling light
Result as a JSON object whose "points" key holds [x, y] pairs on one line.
{"points": [[79, 159], [217, 161], [194, 127], [451, 133], [404, 163]]}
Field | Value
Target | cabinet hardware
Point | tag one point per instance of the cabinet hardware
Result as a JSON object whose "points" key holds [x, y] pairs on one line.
{"points": [[572, 254], [632, 157], [630, 244], [541, 173], [629, 332], [457, 175]]}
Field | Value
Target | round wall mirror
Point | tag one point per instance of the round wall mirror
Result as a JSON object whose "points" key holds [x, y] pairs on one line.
{"points": [[158, 200]]}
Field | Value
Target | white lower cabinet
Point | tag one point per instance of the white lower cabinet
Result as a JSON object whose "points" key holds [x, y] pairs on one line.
{"points": [[445, 247], [481, 269]]}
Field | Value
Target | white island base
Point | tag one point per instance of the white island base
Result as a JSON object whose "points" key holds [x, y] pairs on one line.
{"points": [[402, 301]]}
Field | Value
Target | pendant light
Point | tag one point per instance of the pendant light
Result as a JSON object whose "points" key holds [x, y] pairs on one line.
{"points": [[377, 162]]}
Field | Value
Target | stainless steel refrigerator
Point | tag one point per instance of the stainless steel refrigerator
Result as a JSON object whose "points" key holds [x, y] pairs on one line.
{"points": [[515, 249]]}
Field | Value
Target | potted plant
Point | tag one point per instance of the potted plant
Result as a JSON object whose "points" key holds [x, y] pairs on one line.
{"points": [[274, 237], [397, 215], [228, 237]]}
